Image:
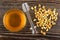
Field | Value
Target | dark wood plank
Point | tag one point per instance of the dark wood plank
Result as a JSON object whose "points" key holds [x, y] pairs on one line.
{"points": [[53, 33]]}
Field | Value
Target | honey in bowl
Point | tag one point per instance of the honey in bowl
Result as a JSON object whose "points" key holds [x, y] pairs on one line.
{"points": [[14, 20]]}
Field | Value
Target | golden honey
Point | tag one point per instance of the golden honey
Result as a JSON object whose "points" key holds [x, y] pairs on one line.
{"points": [[14, 20]]}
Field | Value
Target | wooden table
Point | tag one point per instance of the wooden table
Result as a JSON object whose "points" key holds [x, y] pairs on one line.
{"points": [[25, 34]]}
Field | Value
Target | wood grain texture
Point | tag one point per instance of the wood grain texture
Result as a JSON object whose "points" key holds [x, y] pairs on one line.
{"points": [[25, 34]]}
